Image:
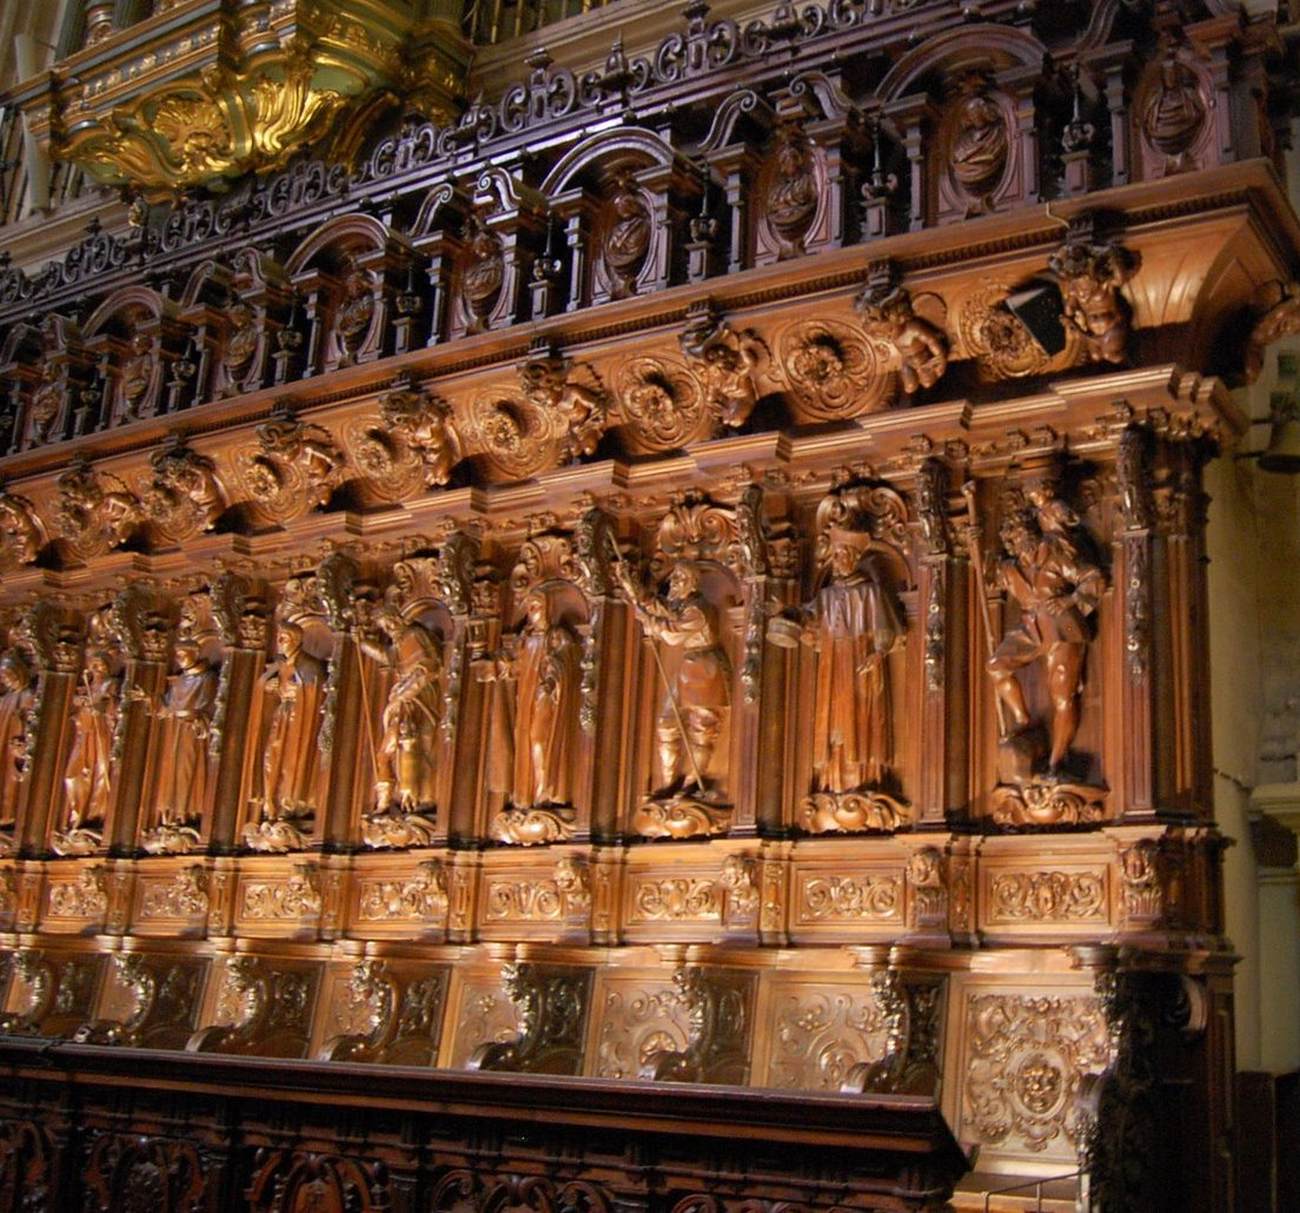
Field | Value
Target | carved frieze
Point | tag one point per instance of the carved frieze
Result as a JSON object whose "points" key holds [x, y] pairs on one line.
{"points": [[421, 898], [819, 1034], [20, 531], [291, 899], [1047, 896], [184, 895], [849, 898]]}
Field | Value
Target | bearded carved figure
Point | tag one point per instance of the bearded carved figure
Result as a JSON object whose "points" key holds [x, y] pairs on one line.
{"points": [[183, 768], [17, 703], [88, 773], [291, 792], [356, 310], [137, 372]]}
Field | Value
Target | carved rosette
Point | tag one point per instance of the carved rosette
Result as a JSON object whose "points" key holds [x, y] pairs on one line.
{"points": [[293, 468], [415, 428], [663, 404], [95, 511], [182, 498], [833, 370]]}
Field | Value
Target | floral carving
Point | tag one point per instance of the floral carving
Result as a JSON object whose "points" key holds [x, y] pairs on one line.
{"points": [[184, 896], [1047, 897], [182, 497], [820, 1036], [677, 898], [1028, 1055], [852, 899], [422, 897], [833, 369], [663, 403], [636, 1023], [95, 512], [284, 900], [84, 897], [295, 467]]}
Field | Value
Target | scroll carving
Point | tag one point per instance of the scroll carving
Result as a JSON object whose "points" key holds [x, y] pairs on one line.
{"points": [[834, 370], [184, 896], [424, 424], [291, 900], [1047, 897], [85, 896], [396, 1016], [57, 993], [269, 1011], [421, 898], [294, 468], [95, 512], [719, 1007], [551, 1004], [183, 497], [912, 1009], [164, 999]]}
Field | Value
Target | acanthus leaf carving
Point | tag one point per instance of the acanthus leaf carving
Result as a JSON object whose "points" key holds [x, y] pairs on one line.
{"points": [[422, 897], [394, 1017], [265, 1009], [719, 1009], [550, 1002]]}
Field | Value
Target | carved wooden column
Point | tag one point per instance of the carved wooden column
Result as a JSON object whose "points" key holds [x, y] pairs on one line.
{"points": [[1134, 561], [141, 629], [243, 616], [343, 732], [941, 776], [482, 640], [50, 640]]}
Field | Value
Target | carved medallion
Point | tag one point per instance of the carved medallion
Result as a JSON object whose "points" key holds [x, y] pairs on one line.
{"points": [[625, 242], [833, 370], [662, 402], [1173, 113], [294, 467]]}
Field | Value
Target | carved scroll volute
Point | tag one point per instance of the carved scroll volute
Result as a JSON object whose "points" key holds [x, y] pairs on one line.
{"points": [[942, 622], [1135, 559], [854, 782], [180, 781], [95, 512], [137, 627], [39, 666], [182, 497]]}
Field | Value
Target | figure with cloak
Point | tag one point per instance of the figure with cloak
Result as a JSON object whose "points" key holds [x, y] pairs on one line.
{"points": [[548, 677], [88, 775], [292, 766], [185, 775]]}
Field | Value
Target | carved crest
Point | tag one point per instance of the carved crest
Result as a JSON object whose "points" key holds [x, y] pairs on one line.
{"points": [[294, 467], [95, 512], [183, 497]]}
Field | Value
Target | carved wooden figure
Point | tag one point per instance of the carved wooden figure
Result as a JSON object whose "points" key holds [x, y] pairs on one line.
{"points": [[88, 772], [17, 703], [183, 770]]}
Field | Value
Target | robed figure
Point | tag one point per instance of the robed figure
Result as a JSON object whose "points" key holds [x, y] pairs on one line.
{"points": [[88, 775], [292, 761], [405, 763], [184, 768], [17, 701], [853, 626], [548, 677]]}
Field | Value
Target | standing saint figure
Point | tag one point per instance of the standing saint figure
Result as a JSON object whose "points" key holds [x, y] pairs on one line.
{"points": [[854, 625], [294, 687], [405, 766], [17, 701], [184, 768], [697, 698], [548, 677], [1057, 588], [88, 776]]}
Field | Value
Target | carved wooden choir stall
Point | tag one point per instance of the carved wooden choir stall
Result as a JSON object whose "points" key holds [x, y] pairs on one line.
{"points": [[681, 583]]}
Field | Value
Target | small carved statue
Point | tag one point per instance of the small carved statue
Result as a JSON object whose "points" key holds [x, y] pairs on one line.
{"points": [[183, 767], [425, 424], [405, 767], [887, 316], [241, 345], [725, 360], [548, 681], [137, 370], [1057, 589], [355, 311], [696, 698], [628, 238], [292, 784], [1091, 276], [580, 410], [17, 702], [88, 774]]}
